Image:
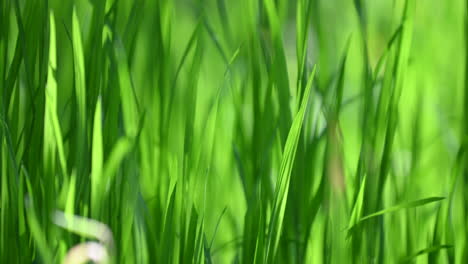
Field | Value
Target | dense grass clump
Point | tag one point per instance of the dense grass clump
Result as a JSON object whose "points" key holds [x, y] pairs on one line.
{"points": [[247, 131]]}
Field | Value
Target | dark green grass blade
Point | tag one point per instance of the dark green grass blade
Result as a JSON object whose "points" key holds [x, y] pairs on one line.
{"points": [[425, 251], [168, 238]]}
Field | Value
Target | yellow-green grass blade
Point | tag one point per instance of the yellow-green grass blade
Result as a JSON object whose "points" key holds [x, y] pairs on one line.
{"points": [[97, 180]]}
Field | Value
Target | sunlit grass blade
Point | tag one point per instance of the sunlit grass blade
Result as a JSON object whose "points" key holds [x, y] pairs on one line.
{"points": [[97, 182]]}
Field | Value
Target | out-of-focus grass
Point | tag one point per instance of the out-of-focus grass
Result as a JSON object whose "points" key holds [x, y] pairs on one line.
{"points": [[250, 131]]}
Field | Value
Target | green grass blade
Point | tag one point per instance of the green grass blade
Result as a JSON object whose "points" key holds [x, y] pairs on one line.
{"points": [[97, 162], [425, 251], [79, 68], [53, 140], [129, 102], [399, 207], [121, 149], [33, 223], [282, 186]]}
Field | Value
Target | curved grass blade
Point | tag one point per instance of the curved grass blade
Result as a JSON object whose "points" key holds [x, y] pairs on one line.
{"points": [[395, 208], [427, 250], [282, 186], [358, 206], [127, 93], [118, 153]]}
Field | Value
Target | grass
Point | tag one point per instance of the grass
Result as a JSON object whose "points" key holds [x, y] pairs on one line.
{"points": [[250, 131]]}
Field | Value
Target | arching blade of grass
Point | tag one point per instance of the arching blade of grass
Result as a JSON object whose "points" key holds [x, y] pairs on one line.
{"points": [[398, 207], [282, 186], [427, 250]]}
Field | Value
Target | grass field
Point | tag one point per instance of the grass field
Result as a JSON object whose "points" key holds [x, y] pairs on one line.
{"points": [[247, 131]]}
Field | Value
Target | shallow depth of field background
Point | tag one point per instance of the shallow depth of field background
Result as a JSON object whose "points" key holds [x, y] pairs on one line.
{"points": [[197, 131]]}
